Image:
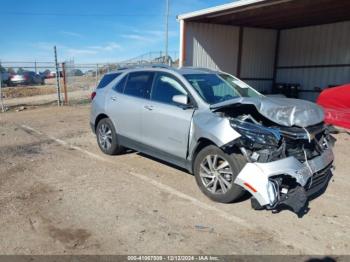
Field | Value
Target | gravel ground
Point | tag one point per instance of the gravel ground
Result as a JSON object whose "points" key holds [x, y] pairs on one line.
{"points": [[60, 195]]}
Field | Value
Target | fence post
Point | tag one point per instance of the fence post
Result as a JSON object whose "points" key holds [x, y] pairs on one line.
{"points": [[96, 75], [64, 84], [1, 102], [57, 79]]}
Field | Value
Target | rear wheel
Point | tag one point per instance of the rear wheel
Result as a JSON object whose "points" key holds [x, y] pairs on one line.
{"points": [[215, 173], [107, 137]]}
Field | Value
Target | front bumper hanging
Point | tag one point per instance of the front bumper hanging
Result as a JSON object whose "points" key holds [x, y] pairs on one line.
{"points": [[310, 176]]}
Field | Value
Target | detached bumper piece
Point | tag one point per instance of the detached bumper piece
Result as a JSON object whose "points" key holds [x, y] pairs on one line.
{"points": [[295, 200], [286, 183]]}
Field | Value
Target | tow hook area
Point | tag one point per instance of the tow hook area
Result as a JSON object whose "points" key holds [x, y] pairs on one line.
{"points": [[296, 200]]}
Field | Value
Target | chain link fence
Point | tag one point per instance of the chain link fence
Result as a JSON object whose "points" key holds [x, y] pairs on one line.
{"points": [[23, 82], [35, 83]]}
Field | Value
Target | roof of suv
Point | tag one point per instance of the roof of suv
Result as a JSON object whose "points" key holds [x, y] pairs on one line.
{"points": [[181, 70]]}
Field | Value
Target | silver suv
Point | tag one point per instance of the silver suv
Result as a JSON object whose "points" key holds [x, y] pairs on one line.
{"points": [[231, 137]]}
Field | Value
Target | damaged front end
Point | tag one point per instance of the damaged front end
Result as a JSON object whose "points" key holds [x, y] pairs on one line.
{"points": [[286, 166]]}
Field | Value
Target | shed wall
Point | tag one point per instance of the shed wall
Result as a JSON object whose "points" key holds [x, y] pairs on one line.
{"points": [[212, 46], [258, 56], [308, 47], [217, 47], [316, 56]]}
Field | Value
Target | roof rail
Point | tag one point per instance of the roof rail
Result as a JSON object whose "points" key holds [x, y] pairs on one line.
{"points": [[145, 65], [199, 68]]}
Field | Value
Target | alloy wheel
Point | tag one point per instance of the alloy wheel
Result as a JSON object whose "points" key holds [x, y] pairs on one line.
{"points": [[216, 174], [105, 136]]}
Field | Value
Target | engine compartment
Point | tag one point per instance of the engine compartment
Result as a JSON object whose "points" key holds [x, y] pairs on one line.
{"points": [[303, 143]]}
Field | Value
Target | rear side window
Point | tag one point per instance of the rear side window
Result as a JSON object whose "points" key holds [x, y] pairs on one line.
{"points": [[119, 87], [106, 79], [139, 84]]}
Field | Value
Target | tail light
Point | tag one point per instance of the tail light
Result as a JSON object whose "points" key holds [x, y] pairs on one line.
{"points": [[93, 94]]}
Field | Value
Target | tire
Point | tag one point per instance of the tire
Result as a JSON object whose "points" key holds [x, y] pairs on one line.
{"points": [[107, 137], [227, 172]]}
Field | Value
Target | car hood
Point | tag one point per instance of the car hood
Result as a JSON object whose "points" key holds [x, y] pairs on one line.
{"points": [[282, 111]]}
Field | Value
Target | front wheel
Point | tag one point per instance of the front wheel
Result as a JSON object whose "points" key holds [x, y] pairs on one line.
{"points": [[215, 173], [107, 137]]}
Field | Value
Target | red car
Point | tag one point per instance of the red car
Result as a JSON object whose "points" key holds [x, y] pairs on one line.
{"points": [[336, 104]]}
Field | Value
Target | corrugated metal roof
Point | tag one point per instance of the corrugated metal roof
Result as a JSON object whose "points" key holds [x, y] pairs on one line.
{"points": [[219, 8], [273, 14]]}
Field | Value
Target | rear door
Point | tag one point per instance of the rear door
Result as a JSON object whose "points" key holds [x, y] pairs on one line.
{"points": [[125, 103], [165, 124]]}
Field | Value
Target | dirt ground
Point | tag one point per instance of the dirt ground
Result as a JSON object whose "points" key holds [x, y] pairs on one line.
{"points": [[60, 195], [78, 88]]}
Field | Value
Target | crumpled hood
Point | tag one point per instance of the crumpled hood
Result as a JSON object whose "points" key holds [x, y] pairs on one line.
{"points": [[282, 111]]}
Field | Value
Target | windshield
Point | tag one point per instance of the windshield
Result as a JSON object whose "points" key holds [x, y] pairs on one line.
{"points": [[215, 88]]}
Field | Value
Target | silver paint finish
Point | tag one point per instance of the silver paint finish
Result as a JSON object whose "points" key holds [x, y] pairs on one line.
{"points": [[213, 127], [282, 111]]}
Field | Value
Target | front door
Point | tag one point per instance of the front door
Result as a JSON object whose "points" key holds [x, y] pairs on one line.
{"points": [[165, 124]]}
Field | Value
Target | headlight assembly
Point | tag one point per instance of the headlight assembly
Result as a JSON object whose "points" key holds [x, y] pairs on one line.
{"points": [[256, 133]]}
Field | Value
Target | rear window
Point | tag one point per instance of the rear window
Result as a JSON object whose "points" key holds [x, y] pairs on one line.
{"points": [[106, 79], [139, 84], [119, 87]]}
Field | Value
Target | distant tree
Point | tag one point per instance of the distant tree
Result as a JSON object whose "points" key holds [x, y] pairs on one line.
{"points": [[2, 69], [20, 71], [11, 71], [78, 72], [112, 67]]}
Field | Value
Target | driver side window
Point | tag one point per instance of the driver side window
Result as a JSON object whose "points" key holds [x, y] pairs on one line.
{"points": [[165, 87]]}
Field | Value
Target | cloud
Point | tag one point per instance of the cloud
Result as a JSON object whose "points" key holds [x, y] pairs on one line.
{"points": [[70, 33], [160, 33], [137, 37], [76, 52], [151, 36], [110, 46], [47, 46]]}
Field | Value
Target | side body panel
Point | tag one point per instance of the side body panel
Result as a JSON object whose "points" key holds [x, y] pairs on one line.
{"points": [[166, 127], [125, 113], [208, 125]]}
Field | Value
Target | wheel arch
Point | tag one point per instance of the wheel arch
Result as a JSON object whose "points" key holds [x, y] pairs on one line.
{"points": [[98, 119], [201, 143]]}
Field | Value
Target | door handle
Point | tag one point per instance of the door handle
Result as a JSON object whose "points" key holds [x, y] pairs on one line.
{"points": [[148, 107], [113, 98]]}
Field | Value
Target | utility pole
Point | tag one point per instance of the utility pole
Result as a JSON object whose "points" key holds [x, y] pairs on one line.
{"points": [[166, 30]]}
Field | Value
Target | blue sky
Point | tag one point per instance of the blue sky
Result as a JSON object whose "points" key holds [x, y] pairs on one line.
{"points": [[89, 30]]}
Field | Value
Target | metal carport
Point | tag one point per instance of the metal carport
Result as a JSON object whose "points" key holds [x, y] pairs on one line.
{"points": [[272, 41]]}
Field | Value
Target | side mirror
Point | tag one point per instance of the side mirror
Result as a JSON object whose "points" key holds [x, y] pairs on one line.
{"points": [[181, 99]]}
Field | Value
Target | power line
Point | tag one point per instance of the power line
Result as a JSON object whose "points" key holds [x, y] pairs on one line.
{"points": [[79, 14]]}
